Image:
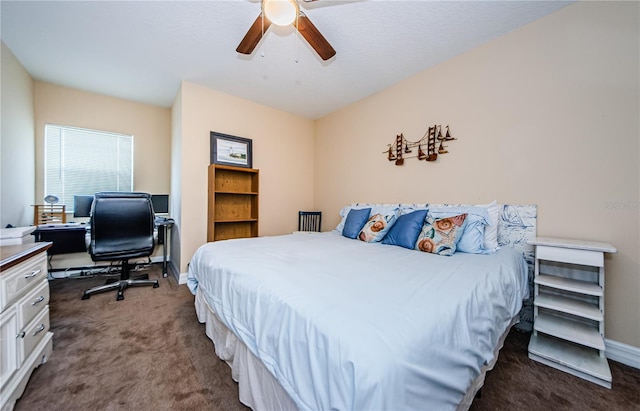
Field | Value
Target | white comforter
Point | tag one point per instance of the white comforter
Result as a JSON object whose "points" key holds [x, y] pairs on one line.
{"points": [[348, 325]]}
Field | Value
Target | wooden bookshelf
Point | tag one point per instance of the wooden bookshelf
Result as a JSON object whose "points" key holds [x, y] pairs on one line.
{"points": [[233, 202]]}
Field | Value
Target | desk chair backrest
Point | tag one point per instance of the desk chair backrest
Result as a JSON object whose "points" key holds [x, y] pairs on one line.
{"points": [[309, 220], [122, 226]]}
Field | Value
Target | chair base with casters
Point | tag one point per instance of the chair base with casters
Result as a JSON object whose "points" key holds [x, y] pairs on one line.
{"points": [[121, 228], [123, 283]]}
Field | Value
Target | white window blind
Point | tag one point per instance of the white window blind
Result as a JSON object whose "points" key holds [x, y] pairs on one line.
{"points": [[83, 162]]}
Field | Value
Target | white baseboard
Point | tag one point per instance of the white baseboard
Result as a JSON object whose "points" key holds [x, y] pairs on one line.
{"points": [[623, 353], [183, 278]]}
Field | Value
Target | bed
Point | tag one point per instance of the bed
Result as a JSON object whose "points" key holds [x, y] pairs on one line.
{"points": [[320, 321]]}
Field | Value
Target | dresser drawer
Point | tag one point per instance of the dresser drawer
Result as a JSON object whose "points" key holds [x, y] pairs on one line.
{"points": [[15, 281], [9, 361], [33, 303], [34, 332]]}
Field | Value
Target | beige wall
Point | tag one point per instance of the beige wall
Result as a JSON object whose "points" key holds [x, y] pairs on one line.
{"points": [[547, 115], [17, 144], [282, 151], [149, 125]]}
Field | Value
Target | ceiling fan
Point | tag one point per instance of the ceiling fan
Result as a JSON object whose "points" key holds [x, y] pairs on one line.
{"points": [[284, 13]]}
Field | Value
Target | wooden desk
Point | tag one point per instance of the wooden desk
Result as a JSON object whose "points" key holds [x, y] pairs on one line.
{"points": [[70, 238]]}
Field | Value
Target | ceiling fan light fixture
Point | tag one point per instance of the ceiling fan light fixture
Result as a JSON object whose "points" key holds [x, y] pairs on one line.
{"points": [[280, 12]]}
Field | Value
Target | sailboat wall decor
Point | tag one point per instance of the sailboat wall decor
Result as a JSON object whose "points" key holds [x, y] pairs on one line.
{"points": [[433, 141]]}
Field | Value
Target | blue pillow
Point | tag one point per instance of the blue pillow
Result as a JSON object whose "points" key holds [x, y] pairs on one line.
{"points": [[356, 219], [406, 229], [472, 240]]}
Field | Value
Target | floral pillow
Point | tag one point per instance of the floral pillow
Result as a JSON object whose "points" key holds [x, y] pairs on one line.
{"points": [[376, 227], [472, 240], [441, 235]]}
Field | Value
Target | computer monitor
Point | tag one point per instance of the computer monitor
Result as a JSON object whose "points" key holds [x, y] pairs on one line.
{"points": [[160, 203], [82, 205]]}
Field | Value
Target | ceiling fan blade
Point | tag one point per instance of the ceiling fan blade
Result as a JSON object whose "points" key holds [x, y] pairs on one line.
{"points": [[253, 36], [314, 37]]}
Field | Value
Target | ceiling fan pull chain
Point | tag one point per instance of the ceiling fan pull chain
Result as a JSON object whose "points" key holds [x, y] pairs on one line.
{"points": [[262, 30], [297, 39]]}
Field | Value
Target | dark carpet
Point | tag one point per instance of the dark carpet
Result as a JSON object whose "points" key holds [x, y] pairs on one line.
{"points": [[148, 352]]}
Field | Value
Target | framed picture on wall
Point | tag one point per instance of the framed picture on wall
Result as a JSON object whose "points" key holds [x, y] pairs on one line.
{"points": [[231, 150]]}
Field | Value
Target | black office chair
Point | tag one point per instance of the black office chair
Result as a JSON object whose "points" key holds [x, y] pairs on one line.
{"points": [[121, 228], [309, 220]]}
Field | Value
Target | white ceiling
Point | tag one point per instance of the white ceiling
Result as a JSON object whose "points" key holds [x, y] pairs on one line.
{"points": [[141, 50]]}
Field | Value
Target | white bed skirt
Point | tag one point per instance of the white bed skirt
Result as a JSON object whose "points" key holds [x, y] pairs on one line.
{"points": [[258, 388]]}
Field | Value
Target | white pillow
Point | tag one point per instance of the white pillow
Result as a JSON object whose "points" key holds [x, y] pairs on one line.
{"points": [[410, 208], [491, 230]]}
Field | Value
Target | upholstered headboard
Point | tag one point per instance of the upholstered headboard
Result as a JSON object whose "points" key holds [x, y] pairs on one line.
{"points": [[516, 229]]}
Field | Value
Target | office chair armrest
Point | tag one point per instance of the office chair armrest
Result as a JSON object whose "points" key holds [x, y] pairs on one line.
{"points": [[87, 236]]}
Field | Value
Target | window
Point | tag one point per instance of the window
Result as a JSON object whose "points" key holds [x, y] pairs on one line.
{"points": [[82, 162]]}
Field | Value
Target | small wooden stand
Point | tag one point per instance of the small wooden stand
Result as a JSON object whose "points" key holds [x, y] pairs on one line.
{"points": [[49, 214]]}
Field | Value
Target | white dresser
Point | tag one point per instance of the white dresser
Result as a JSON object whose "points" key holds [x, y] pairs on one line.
{"points": [[568, 324], [25, 339]]}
